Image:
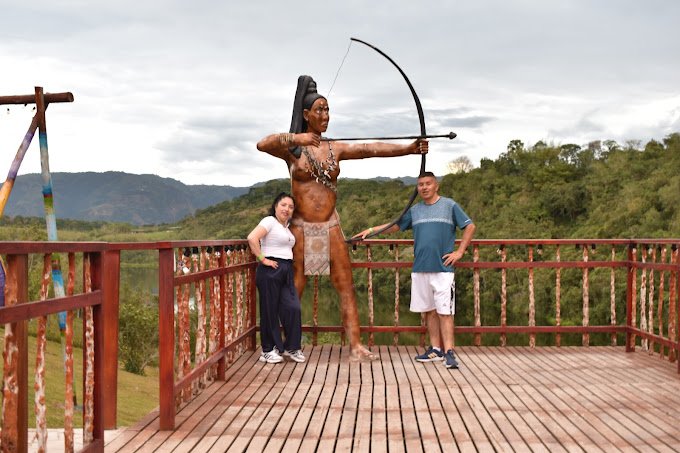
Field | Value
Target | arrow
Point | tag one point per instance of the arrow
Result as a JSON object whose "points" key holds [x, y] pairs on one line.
{"points": [[450, 136]]}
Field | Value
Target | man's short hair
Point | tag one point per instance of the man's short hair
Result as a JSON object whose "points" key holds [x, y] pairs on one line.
{"points": [[425, 174]]}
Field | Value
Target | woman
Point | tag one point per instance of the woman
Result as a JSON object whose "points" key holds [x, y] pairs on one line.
{"points": [[320, 247], [272, 243]]}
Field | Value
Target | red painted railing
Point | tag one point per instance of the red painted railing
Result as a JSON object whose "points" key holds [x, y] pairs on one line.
{"points": [[98, 282], [221, 277], [511, 291]]}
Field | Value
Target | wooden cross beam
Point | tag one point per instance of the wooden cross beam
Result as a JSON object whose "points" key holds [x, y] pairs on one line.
{"points": [[31, 98]]}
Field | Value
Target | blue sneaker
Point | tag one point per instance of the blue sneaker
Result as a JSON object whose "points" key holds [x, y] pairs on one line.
{"points": [[430, 355], [450, 359]]}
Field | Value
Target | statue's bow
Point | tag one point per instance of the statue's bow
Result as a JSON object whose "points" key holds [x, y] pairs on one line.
{"points": [[423, 133]]}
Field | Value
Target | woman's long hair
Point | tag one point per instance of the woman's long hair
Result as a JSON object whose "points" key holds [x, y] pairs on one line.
{"points": [[279, 197]]}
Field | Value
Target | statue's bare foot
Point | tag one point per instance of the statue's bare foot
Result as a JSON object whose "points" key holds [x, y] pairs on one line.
{"points": [[360, 354]]}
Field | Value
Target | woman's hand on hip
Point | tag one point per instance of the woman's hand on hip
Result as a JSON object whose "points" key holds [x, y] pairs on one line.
{"points": [[271, 263]]}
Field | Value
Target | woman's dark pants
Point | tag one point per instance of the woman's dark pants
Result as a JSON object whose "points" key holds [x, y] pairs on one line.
{"points": [[279, 303]]}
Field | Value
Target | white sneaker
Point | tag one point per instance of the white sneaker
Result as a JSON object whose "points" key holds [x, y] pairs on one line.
{"points": [[271, 356], [296, 356]]}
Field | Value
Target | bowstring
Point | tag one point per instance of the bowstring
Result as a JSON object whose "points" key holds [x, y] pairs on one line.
{"points": [[339, 68]]}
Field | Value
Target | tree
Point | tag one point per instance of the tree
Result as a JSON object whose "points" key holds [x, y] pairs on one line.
{"points": [[460, 164], [138, 331]]}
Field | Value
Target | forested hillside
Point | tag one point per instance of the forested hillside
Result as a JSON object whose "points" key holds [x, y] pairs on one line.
{"points": [[602, 190]]}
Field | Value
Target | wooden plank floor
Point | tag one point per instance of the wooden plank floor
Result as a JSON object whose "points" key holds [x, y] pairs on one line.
{"points": [[501, 399]]}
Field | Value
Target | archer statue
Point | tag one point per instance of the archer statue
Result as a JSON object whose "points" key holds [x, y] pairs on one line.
{"points": [[314, 166]]}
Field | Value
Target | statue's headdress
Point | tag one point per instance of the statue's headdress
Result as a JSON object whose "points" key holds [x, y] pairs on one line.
{"points": [[305, 96]]}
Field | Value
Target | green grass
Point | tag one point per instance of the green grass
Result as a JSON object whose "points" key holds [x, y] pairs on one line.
{"points": [[137, 395]]}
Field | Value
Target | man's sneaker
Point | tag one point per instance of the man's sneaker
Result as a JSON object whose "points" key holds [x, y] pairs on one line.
{"points": [[431, 355], [296, 356], [450, 359], [272, 356]]}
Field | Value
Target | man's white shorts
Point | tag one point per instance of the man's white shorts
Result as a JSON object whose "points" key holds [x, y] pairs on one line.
{"points": [[433, 291]]}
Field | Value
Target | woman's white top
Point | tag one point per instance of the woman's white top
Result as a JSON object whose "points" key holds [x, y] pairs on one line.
{"points": [[279, 241]]}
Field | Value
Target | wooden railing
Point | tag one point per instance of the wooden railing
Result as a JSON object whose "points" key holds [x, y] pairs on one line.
{"points": [[222, 274], [509, 292], [88, 293], [635, 281]]}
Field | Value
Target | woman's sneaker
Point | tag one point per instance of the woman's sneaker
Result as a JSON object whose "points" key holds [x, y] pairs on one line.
{"points": [[450, 359], [272, 356], [431, 355], [296, 356]]}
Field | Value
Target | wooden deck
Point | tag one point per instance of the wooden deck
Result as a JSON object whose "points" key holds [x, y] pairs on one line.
{"points": [[501, 399]]}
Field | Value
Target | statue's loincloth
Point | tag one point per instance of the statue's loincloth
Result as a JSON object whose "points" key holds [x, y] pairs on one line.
{"points": [[317, 246]]}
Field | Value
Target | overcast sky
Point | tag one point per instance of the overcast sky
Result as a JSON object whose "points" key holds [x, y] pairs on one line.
{"points": [[184, 89]]}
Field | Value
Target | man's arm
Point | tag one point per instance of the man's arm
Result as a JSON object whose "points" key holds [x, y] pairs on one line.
{"points": [[394, 228], [451, 258]]}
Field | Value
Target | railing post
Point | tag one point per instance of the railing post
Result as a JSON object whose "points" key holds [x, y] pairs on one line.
{"points": [[630, 346], [111, 294], [585, 295], [98, 311], [166, 338], [371, 314], [252, 302], [476, 295], [676, 330], [222, 363], [532, 300], [15, 403]]}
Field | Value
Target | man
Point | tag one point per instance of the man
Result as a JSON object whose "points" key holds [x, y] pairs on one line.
{"points": [[434, 221]]}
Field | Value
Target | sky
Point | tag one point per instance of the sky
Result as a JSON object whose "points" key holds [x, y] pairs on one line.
{"points": [[185, 89]]}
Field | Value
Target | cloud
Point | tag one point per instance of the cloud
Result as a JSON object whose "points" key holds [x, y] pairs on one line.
{"points": [[186, 89]]}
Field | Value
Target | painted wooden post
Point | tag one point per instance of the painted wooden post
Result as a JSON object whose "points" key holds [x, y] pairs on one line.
{"points": [[371, 316], [558, 297], [659, 311], [88, 354], [630, 295], [504, 296], [166, 339], [674, 310], [476, 295], [15, 370], [643, 297], [315, 312], [650, 298], [532, 300], [48, 198], [39, 375], [16, 163], [395, 337], [28, 137], [238, 259], [231, 334], [222, 328], [111, 293], [69, 393], [252, 303], [198, 262], [213, 263], [612, 296], [98, 312], [585, 287]]}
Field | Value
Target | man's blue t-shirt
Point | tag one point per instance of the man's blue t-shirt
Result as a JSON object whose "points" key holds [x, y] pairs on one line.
{"points": [[434, 232]]}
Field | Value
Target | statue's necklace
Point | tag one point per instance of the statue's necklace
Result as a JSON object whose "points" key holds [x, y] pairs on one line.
{"points": [[316, 169]]}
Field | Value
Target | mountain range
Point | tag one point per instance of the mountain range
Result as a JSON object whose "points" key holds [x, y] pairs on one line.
{"points": [[116, 197], [121, 197]]}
